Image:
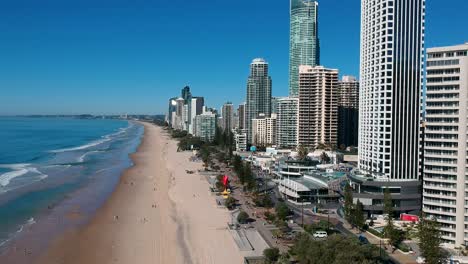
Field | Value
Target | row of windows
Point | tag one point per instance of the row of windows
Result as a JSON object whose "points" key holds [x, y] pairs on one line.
{"points": [[445, 71], [443, 63], [446, 54], [443, 79]]}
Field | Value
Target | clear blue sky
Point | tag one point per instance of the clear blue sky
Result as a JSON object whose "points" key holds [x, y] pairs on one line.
{"points": [[99, 56]]}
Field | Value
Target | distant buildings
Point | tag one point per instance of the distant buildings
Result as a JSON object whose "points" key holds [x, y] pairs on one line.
{"points": [[264, 131], [304, 42], [392, 47], [196, 108], [445, 141], [241, 116], [318, 106], [228, 117], [287, 119], [348, 111], [258, 93], [274, 104], [241, 140], [205, 126]]}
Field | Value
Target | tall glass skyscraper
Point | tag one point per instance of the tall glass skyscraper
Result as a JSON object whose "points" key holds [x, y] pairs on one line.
{"points": [[304, 42], [258, 93]]}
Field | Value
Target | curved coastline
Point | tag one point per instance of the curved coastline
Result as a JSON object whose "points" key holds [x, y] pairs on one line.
{"points": [[156, 214]]}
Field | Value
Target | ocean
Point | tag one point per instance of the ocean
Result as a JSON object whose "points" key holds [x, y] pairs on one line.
{"points": [[50, 167]]}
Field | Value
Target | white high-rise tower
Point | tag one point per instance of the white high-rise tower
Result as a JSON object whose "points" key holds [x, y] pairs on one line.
{"points": [[392, 49]]}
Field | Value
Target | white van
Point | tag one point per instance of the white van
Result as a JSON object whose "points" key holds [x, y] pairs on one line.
{"points": [[320, 234]]}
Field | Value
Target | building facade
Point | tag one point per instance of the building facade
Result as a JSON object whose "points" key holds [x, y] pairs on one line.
{"points": [[318, 106], [196, 108], [304, 42], [348, 111], [287, 120], [445, 141], [205, 126], [392, 49], [264, 131], [258, 94], [241, 116], [228, 117]]}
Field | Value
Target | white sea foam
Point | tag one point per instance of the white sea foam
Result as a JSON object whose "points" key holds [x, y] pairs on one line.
{"points": [[18, 171], [28, 223], [82, 157], [104, 139], [89, 145]]}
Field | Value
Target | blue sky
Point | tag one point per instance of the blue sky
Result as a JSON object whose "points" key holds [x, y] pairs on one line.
{"points": [[119, 56]]}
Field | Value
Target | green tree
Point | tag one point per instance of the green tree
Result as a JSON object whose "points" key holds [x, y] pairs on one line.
{"points": [[230, 203], [205, 156], [302, 152], [359, 219], [236, 163], [282, 211], [325, 158], [348, 203], [242, 217], [395, 236], [335, 249], [429, 241], [249, 177], [271, 255], [388, 203]]}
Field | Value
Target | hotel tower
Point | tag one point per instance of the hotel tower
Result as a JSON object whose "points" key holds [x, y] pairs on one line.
{"points": [[392, 54]]}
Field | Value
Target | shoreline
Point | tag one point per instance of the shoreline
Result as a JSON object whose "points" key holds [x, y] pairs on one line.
{"points": [[156, 214], [63, 211]]}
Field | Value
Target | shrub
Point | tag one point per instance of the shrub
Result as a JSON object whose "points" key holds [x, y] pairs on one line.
{"points": [[242, 217]]}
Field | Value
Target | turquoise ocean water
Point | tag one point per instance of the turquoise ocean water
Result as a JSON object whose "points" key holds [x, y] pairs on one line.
{"points": [[45, 162]]}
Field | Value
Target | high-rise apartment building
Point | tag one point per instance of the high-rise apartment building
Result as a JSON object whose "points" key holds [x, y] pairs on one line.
{"points": [[303, 41], [241, 116], [392, 49], [196, 108], [445, 142], [205, 126], [228, 117], [318, 106], [171, 110], [264, 131], [348, 111], [258, 93], [287, 117], [274, 104]]}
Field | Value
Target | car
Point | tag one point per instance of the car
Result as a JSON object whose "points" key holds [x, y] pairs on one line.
{"points": [[320, 234], [363, 240]]}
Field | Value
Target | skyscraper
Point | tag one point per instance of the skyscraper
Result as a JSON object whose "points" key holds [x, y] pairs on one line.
{"points": [[258, 93], [445, 141], [392, 49], [288, 113], [228, 117], [348, 111], [241, 115], [318, 106], [303, 41]]}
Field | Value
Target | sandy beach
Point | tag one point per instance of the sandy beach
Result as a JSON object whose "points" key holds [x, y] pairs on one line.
{"points": [[157, 214]]}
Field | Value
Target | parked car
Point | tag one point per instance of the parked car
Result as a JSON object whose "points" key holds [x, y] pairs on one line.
{"points": [[363, 240], [320, 234]]}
